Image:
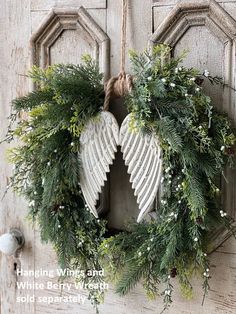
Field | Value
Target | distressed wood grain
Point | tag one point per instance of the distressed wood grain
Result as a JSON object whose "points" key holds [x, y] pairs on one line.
{"points": [[14, 65], [75, 41], [69, 27], [18, 19], [39, 15], [172, 2], [47, 5]]}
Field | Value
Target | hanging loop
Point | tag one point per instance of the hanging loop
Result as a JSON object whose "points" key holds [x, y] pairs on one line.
{"points": [[121, 85], [123, 34], [117, 86]]}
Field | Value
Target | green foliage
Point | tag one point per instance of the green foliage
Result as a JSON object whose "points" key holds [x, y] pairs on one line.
{"points": [[194, 137], [166, 99], [47, 163]]}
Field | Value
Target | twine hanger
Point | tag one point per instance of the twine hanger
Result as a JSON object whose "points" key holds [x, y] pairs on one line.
{"points": [[122, 84]]}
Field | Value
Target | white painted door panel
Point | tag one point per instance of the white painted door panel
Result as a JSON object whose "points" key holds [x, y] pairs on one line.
{"points": [[209, 47]]}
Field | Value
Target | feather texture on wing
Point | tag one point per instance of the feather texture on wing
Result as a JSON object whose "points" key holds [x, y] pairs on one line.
{"points": [[142, 155], [98, 145]]}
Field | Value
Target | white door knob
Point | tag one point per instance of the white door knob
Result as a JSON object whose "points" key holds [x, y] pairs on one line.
{"points": [[11, 242]]}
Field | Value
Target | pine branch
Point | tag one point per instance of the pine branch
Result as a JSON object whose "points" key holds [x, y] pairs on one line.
{"points": [[132, 275]]}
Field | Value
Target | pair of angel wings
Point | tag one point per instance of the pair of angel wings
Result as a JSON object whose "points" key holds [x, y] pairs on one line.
{"points": [[141, 153]]}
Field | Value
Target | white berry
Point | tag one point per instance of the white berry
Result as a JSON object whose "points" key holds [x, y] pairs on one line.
{"points": [[206, 73]]}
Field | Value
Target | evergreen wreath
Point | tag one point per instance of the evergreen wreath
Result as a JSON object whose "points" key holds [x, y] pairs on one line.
{"points": [[196, 141]]}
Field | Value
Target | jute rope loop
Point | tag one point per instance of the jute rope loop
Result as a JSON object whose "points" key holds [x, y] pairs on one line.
{"points": [[123, 34], [120, 85]]}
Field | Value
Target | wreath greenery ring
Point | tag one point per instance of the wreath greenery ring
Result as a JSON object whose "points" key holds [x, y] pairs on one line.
{"points": [[196, 141]]}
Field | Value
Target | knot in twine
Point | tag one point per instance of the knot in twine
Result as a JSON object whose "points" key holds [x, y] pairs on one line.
{"points": [[117, 86]]}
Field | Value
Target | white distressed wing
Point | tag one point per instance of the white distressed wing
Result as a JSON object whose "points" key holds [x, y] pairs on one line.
{"points": [[142, 155], [98, 145]]}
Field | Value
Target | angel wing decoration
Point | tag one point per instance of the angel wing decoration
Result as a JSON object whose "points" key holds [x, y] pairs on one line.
{"points": [[142, 155], [98, 145]]}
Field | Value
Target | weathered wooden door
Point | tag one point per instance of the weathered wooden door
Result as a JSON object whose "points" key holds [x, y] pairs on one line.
{"points": [[46, 32]]}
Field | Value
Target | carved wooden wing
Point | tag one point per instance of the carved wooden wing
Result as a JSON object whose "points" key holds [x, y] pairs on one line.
{"points": [[98, 144], [142, 155]]}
